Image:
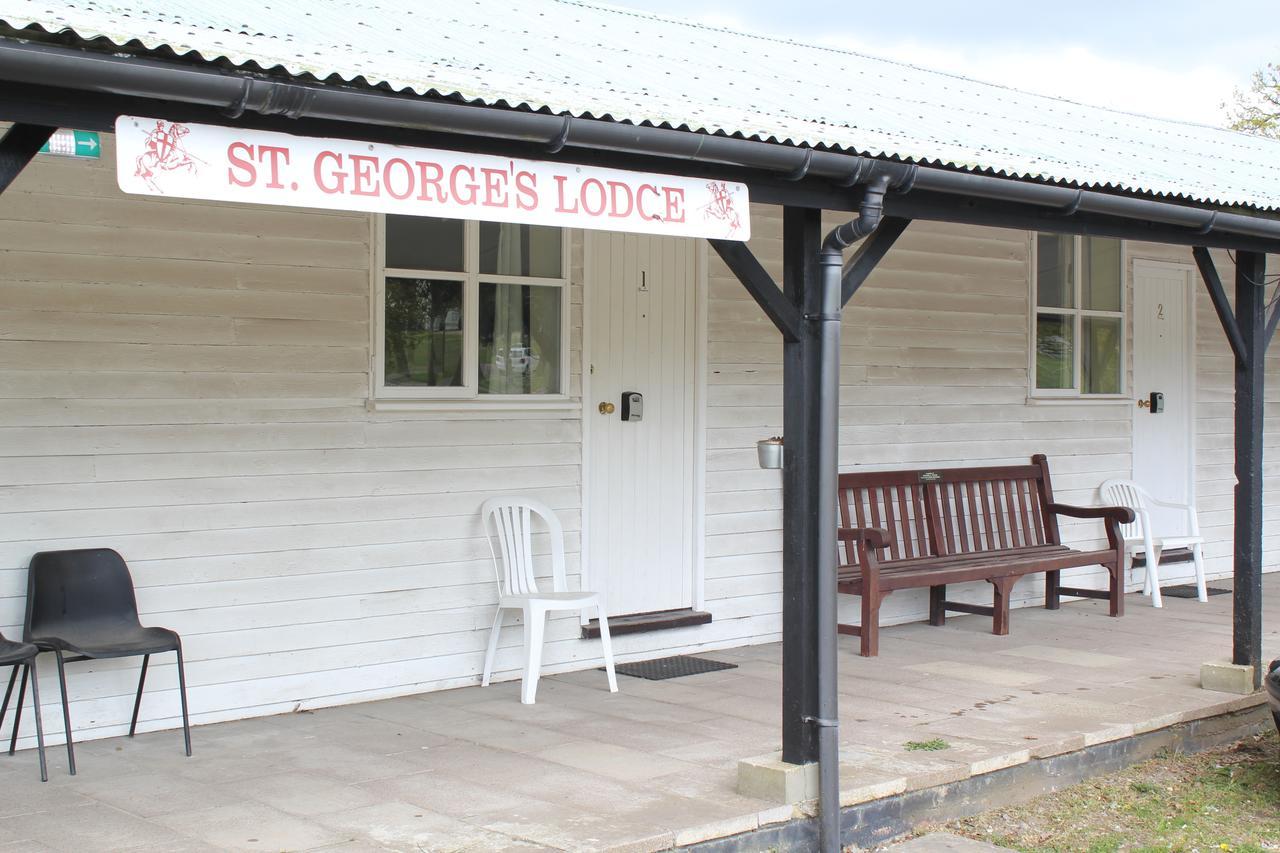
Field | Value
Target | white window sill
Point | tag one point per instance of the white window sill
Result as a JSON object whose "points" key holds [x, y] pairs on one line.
{"points": [[475, 404], [1123, 400]]}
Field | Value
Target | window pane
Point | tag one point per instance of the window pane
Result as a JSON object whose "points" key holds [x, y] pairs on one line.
{"points": [[1102, 276], [519, 339], [1055, 271], [1055, 351], [423, 340], [425, 243], [1100, 358], [510, 249]]}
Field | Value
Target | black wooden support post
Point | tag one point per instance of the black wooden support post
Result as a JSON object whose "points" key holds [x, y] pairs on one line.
{"points": [[1248, 330], [1251, 300], [18, 146], [801, 470]]}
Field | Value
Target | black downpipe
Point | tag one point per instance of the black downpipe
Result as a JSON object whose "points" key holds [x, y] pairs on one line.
{"points": [[236, 93], [827, 322]]}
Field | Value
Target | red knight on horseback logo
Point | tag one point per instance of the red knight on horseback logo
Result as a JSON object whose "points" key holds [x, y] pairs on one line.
{"points": [[722, 206], [165, 152]]}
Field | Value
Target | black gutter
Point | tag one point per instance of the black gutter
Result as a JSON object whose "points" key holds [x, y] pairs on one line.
{"points": [[235, 93]]}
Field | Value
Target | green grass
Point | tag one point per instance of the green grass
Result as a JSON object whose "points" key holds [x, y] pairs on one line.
{"points": [[1223, 800], [926, 745]]}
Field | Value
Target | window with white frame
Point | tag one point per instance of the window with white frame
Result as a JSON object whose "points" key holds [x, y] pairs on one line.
{"points": [[470, 310], [1078, 326]]}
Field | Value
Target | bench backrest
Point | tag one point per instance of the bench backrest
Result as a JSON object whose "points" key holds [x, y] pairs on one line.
{"points": [[939, 511]]}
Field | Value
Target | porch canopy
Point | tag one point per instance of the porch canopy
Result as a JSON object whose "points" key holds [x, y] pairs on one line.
{"points": [[804, 127]]}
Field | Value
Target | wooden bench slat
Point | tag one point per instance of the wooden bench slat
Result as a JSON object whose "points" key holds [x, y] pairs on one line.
{"points": [[997, 511], [911, 577], [958, 515], [973, 520], [1011, 511]]}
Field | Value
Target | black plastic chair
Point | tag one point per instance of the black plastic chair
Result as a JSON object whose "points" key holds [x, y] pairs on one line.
{"points": [[22, 655], [81, 606]]}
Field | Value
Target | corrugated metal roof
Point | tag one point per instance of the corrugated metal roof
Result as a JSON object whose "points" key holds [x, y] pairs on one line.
{"points": [[599, 61]]}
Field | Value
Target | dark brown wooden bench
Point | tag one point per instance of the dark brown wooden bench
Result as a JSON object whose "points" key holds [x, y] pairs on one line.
{"points": [[934, 527]]}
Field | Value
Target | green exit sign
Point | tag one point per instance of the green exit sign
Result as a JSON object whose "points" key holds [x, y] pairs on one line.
{"points": [[73, 143]]}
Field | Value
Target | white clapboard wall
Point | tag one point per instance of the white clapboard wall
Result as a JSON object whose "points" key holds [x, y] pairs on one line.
{"points": [[187, 383]]}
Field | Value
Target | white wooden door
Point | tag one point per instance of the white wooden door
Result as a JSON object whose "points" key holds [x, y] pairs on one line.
{"points": [[640, 307], [1164, 362]]}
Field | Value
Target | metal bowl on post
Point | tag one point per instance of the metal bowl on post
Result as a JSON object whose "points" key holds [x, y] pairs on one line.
{"points": [[769, 452]]}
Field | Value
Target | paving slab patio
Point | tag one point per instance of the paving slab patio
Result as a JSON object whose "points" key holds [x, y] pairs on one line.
{"points": [[648, 768]]}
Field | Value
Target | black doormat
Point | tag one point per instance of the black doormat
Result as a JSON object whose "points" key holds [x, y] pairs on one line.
{"points": [[661, 669], [1188, 590]]}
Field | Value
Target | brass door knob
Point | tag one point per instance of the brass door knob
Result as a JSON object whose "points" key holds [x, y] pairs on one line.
{"points": [[606, 408], [1143, 404]]}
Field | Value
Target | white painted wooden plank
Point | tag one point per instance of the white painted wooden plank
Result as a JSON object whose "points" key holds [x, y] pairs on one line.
{"points": [[174, 298], [112, 241], [162, 385], [19, 266]]}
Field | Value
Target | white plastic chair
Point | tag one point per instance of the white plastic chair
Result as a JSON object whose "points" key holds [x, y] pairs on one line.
{"points": [[509, 521], [1140, 538]]}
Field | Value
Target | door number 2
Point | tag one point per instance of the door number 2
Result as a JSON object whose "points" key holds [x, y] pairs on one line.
{"points": [[1160, 311]]}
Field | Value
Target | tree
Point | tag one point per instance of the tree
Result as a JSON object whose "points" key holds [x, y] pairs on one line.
{"points": [[1258, 109]]}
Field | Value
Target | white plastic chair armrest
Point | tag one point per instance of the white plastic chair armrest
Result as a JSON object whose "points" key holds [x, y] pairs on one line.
{"points": [[1170, 504], [1193, 520], [1143, 517]]}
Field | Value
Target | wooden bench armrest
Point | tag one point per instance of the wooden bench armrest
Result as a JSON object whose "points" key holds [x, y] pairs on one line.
{"points": [[874, 537], [1118, 514]]}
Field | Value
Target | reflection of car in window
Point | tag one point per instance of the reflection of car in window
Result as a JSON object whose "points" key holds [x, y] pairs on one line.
{"points": [[1054, 345], [453, 320], [518, 359]]}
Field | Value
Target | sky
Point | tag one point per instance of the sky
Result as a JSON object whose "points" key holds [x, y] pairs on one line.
{"points": [[1169, 58]]}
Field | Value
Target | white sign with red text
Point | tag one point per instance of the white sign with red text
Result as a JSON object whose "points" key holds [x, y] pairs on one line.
{"points": [[183, 160]]}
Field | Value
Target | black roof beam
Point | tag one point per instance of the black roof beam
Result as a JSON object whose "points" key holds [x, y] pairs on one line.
{"points": [[938, 207], [869, 255], [1227, 317], [753, 276], [1269, 333], [19, 145]]}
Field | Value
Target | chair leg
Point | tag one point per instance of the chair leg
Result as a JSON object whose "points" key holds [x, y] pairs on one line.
{"points": [[869, 630], [4, 706], [491, 653], [606, 647], [1000, 605], [66, 712], [35, 708], [1197, 556], [534, 624], [182, 697], [938, 605], [17, 710], [1116, 592], [1052, 583], [1153, 577], [137, 702]]}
